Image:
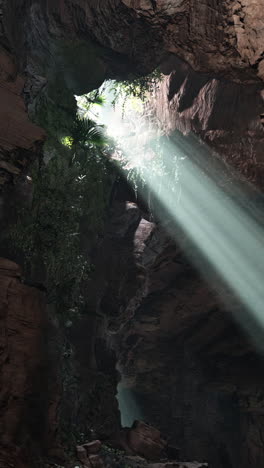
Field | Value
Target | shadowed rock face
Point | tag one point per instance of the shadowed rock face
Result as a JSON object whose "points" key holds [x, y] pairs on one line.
{"points": [[19, 138], [23, 364], [135, 36], [210, 36]]}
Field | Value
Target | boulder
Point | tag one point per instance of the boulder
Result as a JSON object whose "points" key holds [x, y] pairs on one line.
{"points": [[96, 461], [9, 268], [82, 455], [93, 447], [87, 454], [146, 440]]}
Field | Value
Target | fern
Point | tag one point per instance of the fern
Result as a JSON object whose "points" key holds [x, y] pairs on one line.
{"points": [[85, 132], [71, 189]]}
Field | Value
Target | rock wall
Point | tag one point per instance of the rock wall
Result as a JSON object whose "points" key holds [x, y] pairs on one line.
{"points": [[24, 403], [19, 138], [211, 36]]}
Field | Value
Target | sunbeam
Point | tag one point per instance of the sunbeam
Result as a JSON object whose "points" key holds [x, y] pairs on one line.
{"points": [[217, 217]]}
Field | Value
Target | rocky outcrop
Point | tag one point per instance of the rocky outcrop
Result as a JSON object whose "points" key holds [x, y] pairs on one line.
{"points": [[210, 36], [226, 116], [88, 455], [19, 138], [146, 441]]}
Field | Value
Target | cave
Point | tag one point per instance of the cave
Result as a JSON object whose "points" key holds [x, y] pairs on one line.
{"points": [[131, 240]]}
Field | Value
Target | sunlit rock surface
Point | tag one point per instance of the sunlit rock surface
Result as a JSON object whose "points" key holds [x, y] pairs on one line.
{"points": [[224, 115]]}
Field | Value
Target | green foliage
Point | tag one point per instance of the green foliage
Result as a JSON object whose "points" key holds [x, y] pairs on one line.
{"points": [[86, 133], [138, 88], [119, 92], [89, 104], [71, 187], [71, 194], [94, 98]]}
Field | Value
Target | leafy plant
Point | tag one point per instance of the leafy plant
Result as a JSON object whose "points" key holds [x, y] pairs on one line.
{"points": [[71, 193], [119, 92], [86, 133], [137, 88], [71, 190]]}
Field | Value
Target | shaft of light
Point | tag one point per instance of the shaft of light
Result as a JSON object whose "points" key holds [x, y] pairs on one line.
{"points": [[218, 221], [224, 233]]}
